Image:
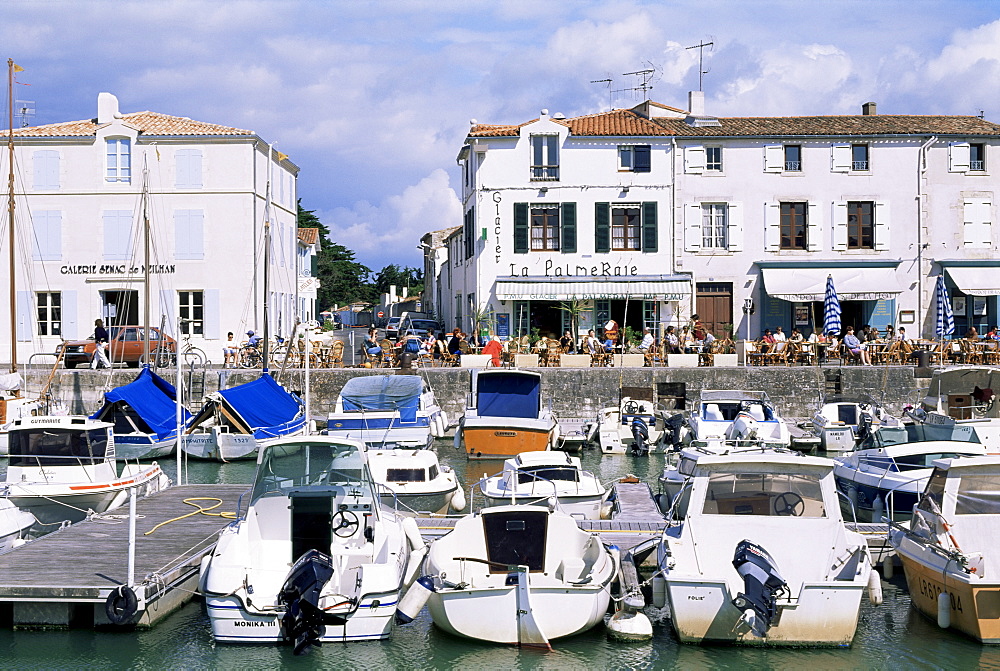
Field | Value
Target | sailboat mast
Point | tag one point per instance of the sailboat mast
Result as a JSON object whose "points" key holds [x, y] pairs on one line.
{"points": [[145, 260], [10, 213], [267, 262]]}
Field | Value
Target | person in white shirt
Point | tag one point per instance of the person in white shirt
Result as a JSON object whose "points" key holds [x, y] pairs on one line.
{"points": [[647, 340], [779, 335]]}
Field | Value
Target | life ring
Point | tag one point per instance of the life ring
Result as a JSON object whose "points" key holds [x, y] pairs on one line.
{"points": [[121, 605]]}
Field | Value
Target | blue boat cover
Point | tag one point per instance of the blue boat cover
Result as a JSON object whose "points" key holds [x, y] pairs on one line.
{"points": [[153, 398], [262, 402], [508, 394], [383, 393]]}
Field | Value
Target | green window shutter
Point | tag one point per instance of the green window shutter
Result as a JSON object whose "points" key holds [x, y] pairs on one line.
{"points": [[520, 228], [649, 227], [568, 232], [602, 228]]}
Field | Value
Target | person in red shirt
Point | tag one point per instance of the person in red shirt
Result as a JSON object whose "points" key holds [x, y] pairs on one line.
{"points": [[493, 348]]}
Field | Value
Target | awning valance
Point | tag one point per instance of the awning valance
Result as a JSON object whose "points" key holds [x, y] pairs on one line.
{"points": [[603, 288], [802, 285], [975, 280]]}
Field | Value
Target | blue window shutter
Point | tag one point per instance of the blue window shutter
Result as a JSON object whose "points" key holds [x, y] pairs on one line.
{"points": [[568, 232], [25, 315], [117, 235], [168, 309], [641, 157], [210, 314], [189, 235], [649, 237], [46, 244], [188, 169], [70, 325], [46, 170], [602, 228], [520, 228]]}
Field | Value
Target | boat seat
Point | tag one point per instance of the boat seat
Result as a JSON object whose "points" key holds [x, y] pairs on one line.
{"points": [[757, 413], [713, 413], [571, 569]]}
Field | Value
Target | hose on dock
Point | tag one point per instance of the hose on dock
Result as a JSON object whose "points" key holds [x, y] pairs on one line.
{"points": [[202, 510]]}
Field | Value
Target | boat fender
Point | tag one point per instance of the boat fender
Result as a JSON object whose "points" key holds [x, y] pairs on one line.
{"points": [[415, 599], [412, 532], [17, 542], [121, 605], [458, 501], [874, 588], [203, 569], [435, 425], [887, 567], [413, 565], [627, 626], [877, 509], [944, 610], [659, 591]]}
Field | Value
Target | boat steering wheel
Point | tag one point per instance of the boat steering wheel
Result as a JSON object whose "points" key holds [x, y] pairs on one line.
{"points": [[344, 520], [789, 503], [631, 407]]}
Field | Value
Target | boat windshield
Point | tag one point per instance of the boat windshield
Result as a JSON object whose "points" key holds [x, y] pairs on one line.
{"points": [[57, 447], [764, 493], [919, 433], [405, 475], [564, 473], [727, 410], [978, 494], [912, 462], [306, 464]]}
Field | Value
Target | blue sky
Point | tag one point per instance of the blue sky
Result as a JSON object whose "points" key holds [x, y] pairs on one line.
{"points": [[373, 99]]}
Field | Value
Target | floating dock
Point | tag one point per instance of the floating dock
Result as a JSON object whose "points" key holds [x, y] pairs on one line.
{"points": [[64, 578]]}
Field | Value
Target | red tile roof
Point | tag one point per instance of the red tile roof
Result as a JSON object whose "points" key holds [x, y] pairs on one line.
{"points": [[149, 123], [309, 236]]}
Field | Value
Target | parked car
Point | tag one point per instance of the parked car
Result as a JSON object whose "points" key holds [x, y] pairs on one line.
{"points": [[125, 345], [419, 327], [392, 327]]}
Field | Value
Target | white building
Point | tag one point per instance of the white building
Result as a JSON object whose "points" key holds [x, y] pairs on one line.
{"points": [[648, 215], [80, 215]]}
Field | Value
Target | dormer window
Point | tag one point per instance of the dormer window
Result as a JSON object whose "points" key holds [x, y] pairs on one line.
{"points": [[545, 157], [119, 160]]}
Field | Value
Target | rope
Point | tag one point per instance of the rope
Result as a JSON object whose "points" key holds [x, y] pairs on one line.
{"points": [[201, 510]]}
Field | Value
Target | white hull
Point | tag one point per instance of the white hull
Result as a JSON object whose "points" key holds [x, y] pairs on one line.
{"points": [[437, 502], [143, 446], [14, 524], [580, 507]]}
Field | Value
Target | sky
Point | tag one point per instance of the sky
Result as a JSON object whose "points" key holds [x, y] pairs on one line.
{"points": [[373, 100]]}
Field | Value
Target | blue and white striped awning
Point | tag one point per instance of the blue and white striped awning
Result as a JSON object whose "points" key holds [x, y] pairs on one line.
{"points": [[635, 287]]}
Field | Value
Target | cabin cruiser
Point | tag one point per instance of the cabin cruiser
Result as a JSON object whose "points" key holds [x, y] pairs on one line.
{"points": [[412, 481], [63, 468], [842, 421], [522, 575], [14, 405], [762, 555], [504, 416], [636, 426], [889, 470], [962, 396], [533, 478], [315, 558], [949, 549], [723, 415], [388, 411]]}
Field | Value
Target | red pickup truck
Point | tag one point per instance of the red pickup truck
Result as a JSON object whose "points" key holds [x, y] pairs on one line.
{"points": [[125, 345]]}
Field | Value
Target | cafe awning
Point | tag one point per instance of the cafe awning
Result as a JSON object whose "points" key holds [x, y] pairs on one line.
{"points": [[855, 283], [634, 287], [975, 280]]}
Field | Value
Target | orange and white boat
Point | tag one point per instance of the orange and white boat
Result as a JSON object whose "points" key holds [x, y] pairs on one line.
{"points": [[949, 549], [505, 417], [63, 468]]}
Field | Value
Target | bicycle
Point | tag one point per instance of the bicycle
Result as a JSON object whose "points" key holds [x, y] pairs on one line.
{"points": [[250, 356], [193, 355]]}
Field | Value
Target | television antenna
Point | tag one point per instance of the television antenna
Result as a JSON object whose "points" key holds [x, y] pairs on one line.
{"points": [[647, 75], [25, 109], [701, 56], [607, 81]]}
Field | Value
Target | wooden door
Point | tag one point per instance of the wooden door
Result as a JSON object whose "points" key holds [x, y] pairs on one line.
{"points": [[714, 305]]}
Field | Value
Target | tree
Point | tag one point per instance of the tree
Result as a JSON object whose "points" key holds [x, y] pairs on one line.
{"points": [[342, 279], [413, 278]]}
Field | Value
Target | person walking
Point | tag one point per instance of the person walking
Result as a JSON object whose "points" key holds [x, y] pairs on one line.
{"points": [[100, 358]]}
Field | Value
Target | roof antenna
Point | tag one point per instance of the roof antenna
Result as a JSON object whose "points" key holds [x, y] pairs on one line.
{"points": [[606, 81], [25, 110], [701, 55], [649, 75]]}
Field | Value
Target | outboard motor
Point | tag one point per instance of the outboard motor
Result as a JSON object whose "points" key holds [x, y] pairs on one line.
{"points": [[864, 427], [762, 583], [303, 620], [673, 432], [640, 437]]}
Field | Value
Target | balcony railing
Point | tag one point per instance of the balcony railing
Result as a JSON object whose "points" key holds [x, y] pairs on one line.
{"points": [[544, 172], [977, 165], [859, 165], [793, 165]]}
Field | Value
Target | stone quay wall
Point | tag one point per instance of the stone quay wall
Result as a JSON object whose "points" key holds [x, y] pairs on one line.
{"points": [[572, 392]]}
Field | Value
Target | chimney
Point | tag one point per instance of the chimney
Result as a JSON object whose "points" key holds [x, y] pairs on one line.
{"points": [[696, 103], [868, 109], [107, 108]]}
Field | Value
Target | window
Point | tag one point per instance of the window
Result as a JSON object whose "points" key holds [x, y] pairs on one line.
{"points": [[714, 226], [119, 160], [793, 157], [626, 228], [977, 156], [192, 312], [634, 158], [766, 494], [859, 157], [545, 228], [793, 225], [545, 157], [713, 158], [860, 225], [49, 313]]}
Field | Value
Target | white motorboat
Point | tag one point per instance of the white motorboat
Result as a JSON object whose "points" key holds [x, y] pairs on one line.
{"points": [[14, 524], [962, 396], [315, 558], [842, 421], [388, 411], [64, 468], [412, 481], [533, 478], [888, 473], [723, 415], [949, 547], [522, 575], [13, 406], [504, 415], [635, 426], [763, 556]]}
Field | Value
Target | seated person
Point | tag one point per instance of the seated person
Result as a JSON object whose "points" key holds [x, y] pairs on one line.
{"points": [[252, 339], [673, 343], [372, 348], [493, 348], [567, 344], [767, 338], [796, 336], [647, 340], [609, 345], [855, 346]]}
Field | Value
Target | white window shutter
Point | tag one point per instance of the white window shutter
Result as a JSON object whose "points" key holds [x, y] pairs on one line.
{"points": [[977, 227], [734, 224], [189, 236], [692, 227], [694, 160], [772, 227], [839, 226], [774, 158], [211, 312], [814, 230], [70, 325], [46, 243], [840, 158], [958, 157], [187, 166], [45, 169], [117, 235], [25, 315], [883, 224]]}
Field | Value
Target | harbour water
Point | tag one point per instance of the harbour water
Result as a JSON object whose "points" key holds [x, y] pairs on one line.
{"points": [[890, 636]]}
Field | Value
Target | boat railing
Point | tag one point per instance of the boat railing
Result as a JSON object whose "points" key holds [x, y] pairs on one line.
{"points": [[513, 494], [890, 498], [850, 503]]}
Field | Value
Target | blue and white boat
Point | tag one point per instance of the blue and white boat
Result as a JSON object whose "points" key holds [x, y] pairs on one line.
{"points": [[388, 412], [144, 414], [235, 422], [731, 415]]}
